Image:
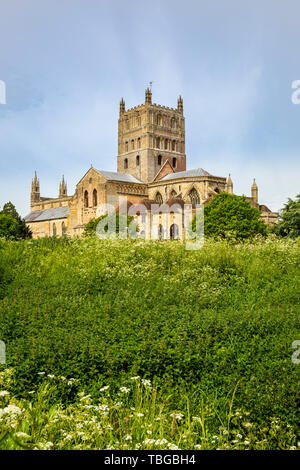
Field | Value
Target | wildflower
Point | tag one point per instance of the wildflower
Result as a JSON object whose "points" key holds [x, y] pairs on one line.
{"points": [[198, 446], [178, 416], [4, 393], [146, 383], [246, 442], [51, 376], [128, 438], [124, 390], [22, 435], [135, 378], [31, 392], [139, 415], [225, 432], [239, 436], [106, 387], [41, 373]]}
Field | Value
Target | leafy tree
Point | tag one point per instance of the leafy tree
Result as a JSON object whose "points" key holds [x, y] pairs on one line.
{"points": [[9, 227], [23, 230], [231, 216], [91, 226], [289, 219]]}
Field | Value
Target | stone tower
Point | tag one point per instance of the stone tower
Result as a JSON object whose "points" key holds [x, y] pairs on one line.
{"points": [[63, 188], [229, 187], [35, 190], [254, 192], [148, 136]]}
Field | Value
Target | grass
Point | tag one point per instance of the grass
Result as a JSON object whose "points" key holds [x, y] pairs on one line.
{"points": [[211, 329]]}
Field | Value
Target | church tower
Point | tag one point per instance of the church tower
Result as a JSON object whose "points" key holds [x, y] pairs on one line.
{"points": [[35, 190], [62, 188], [254, 192], [148, 136]]}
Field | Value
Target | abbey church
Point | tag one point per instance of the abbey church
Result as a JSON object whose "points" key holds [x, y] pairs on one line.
{"points": [[151, 168]]}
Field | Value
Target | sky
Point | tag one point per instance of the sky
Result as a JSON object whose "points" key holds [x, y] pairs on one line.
{"points": [[67, 63]]}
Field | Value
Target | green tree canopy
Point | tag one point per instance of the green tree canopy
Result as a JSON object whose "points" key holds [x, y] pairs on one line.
{"points": [[231, 216], [91, 226], [8, 227], [289, 219], [22, 230]]}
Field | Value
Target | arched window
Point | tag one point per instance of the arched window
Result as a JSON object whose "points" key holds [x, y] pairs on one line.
{"points": [[194, 198], [160, 232], [54, 230], [137, 160], [174, 162], [95, 198], [158, 198], [132, 144], [158, 143], [126, 146], [139, 143], [159, 160], [126, 163], [166, 144], [159, 120], [86, 199], [217, 190], [173, 193], [174, 232], [63, 228], [173, 123], [173, 145]]}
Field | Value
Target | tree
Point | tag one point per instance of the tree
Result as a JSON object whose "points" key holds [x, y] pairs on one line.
{"points": [[22, 230], [9, 227], [91, 226], [289, 219], [231, 216]]}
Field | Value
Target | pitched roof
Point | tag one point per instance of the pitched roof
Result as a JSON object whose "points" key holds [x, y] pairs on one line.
{"points": [[126, 177], [48, 214], [186, 174]]}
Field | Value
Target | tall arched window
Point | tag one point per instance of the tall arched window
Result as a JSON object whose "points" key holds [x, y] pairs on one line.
{"points": [[174, 232], [174, 162], [95, 198], [173, 193], [139, 143], [159, 160], [173, 123], [137, 160], [217, 190], [166, 144], [158, 143], [132, 144], [86, 199], [194, 198], [63, 228], [126, 146], [126, 163], [158, 198], [54, 230], [173, 145], [159, 120]]}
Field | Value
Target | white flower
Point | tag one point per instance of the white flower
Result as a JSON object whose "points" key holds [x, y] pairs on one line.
{"points": [[104, 388], [146, 382], [178, 416], [135, 378], [124, 390], [41, 373], [139, 415], [31, 392], [51, 376], [4, 393]]}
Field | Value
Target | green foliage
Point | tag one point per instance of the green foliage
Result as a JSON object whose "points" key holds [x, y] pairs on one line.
{"points": [[8, 226], [11, 224], [114, 222], [196, 323], [231, 216], [289, 219], [136, 416]]}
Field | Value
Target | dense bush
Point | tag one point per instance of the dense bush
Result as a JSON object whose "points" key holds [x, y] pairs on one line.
{"points": [[231, 216], [289, 219], [197, 323], [12, 226]]}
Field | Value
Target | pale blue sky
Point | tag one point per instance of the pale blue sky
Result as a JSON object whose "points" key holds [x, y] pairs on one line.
{"points": [[67, 63]]}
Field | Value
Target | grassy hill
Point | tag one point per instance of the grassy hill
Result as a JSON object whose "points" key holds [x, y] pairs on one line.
{"points": [[211, 329]]}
